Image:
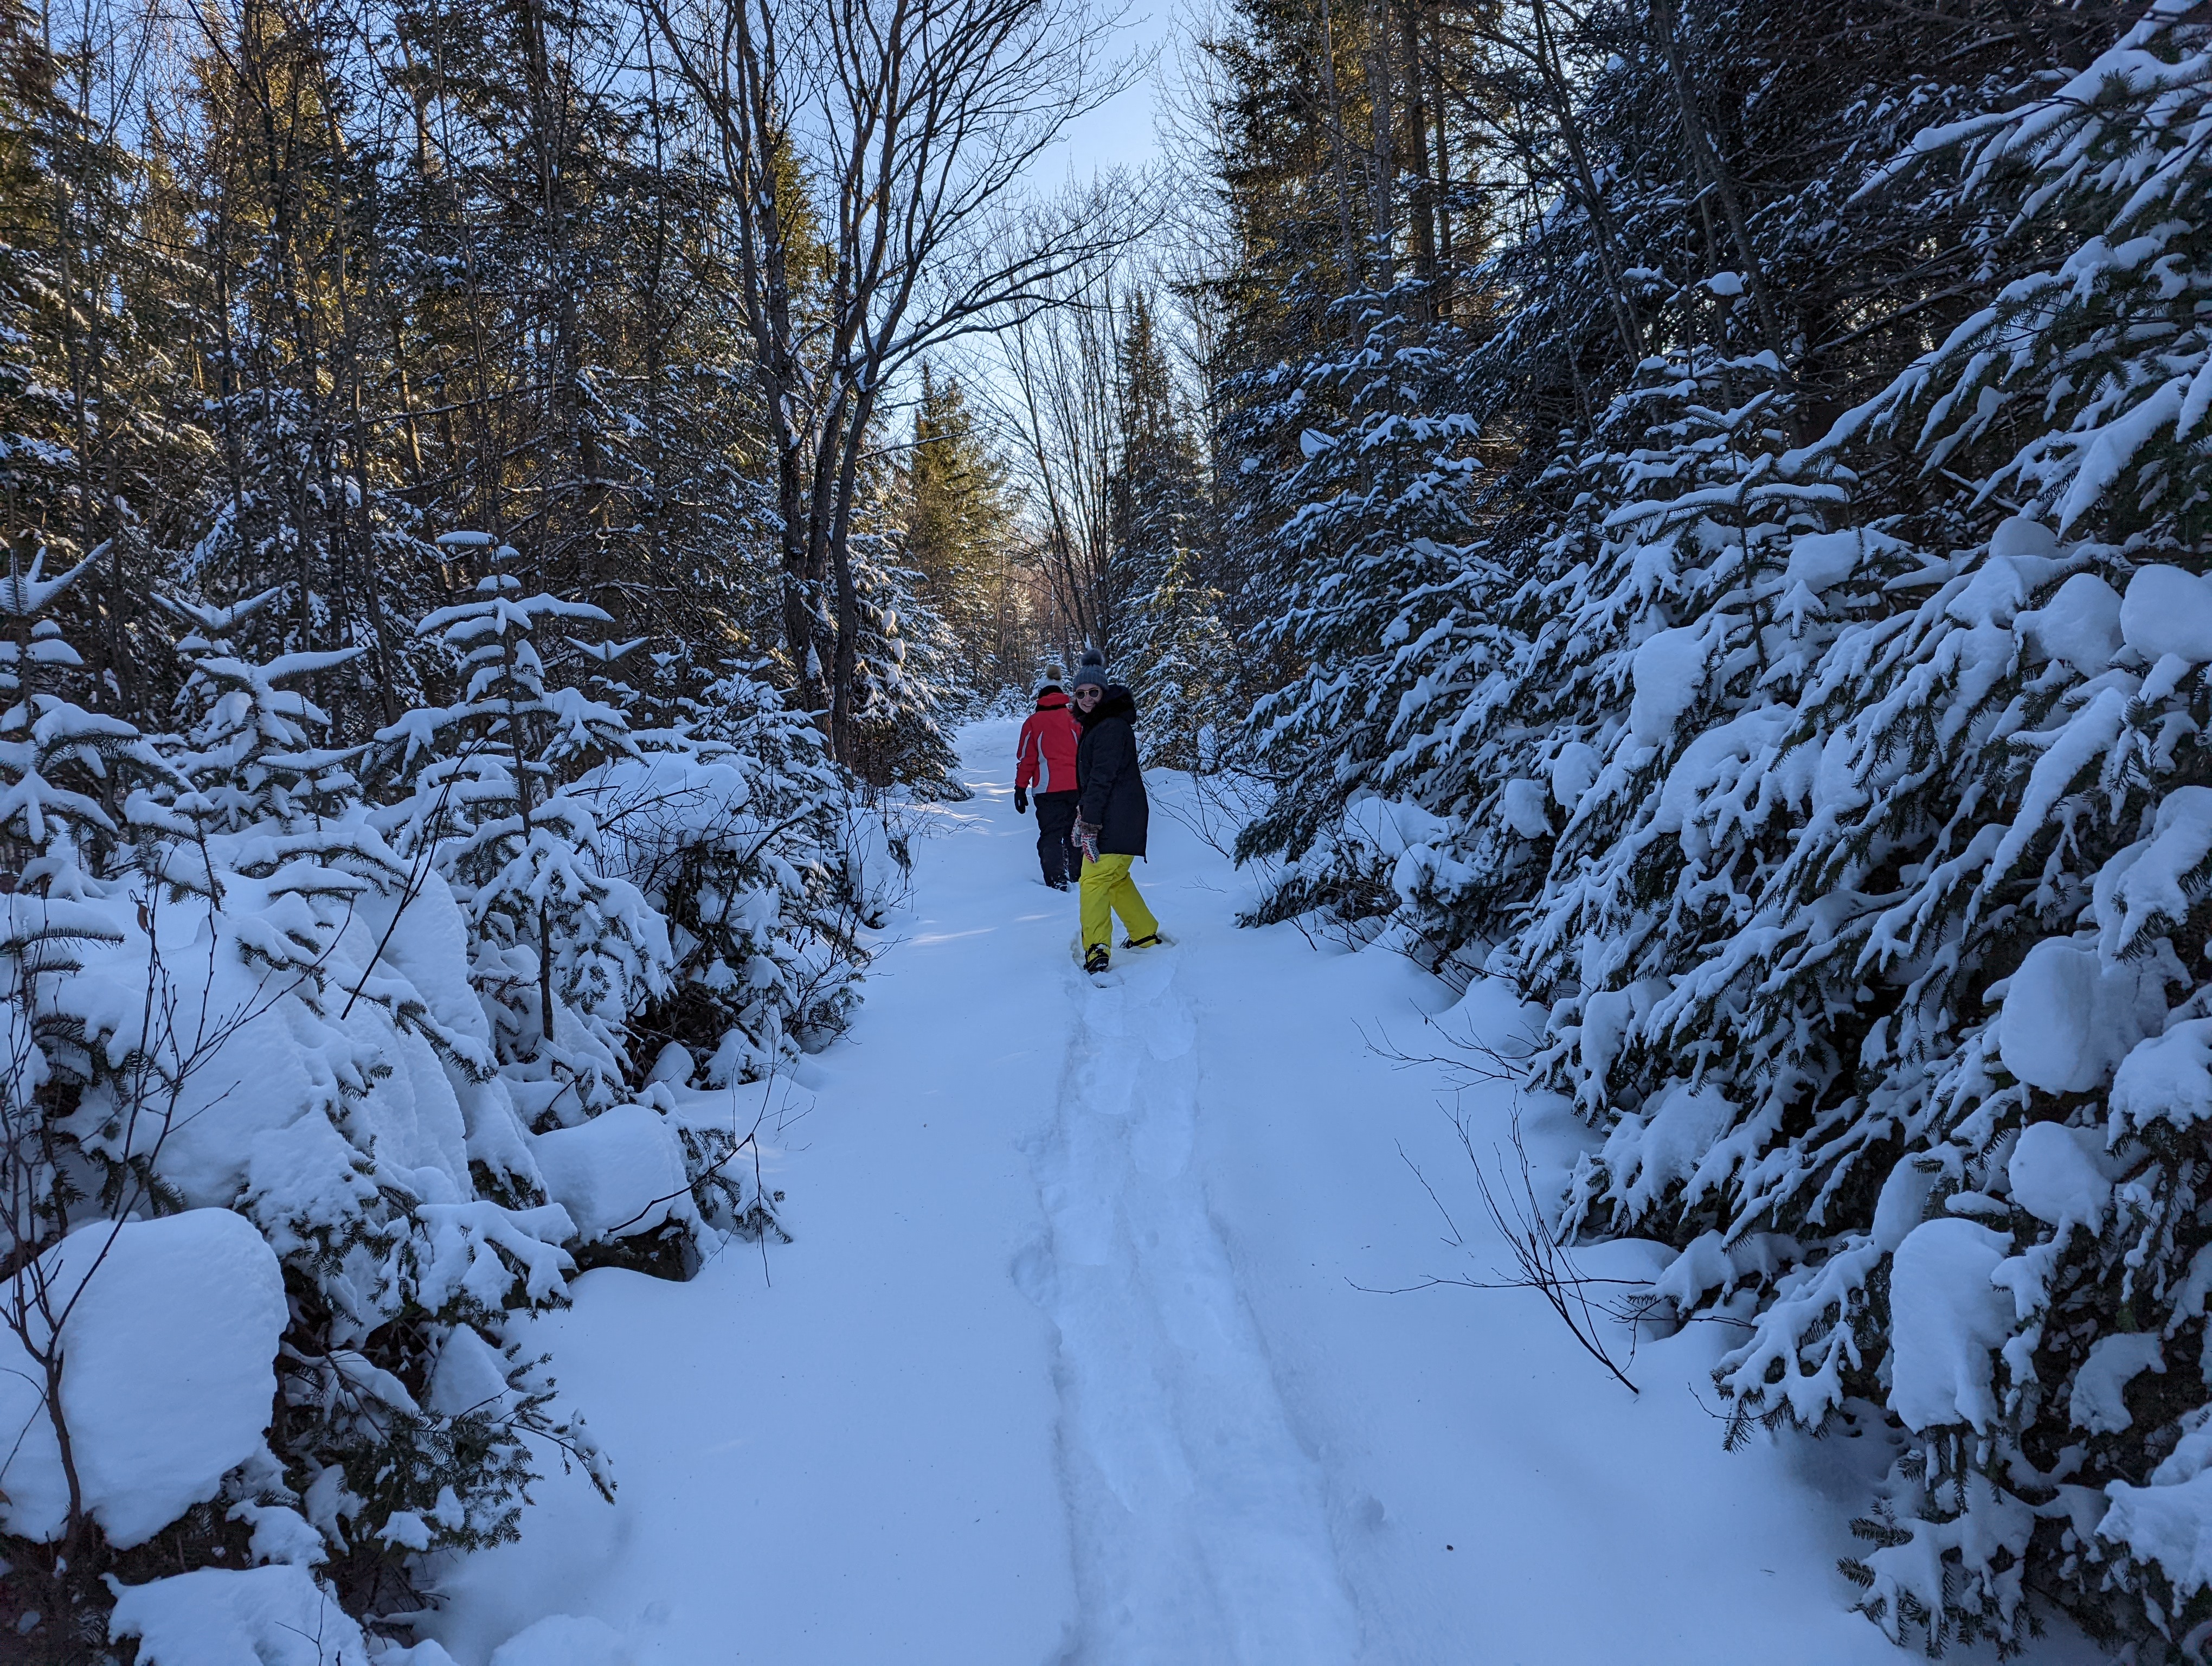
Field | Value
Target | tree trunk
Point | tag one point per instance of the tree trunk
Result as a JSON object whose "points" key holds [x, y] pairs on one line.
{"points": [[1707, 158]]}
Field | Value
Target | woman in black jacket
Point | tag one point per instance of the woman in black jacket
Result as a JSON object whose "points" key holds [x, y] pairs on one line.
{"points": [[1111, 817]]}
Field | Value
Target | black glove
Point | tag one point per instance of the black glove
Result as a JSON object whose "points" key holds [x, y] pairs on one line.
{"points": [[1021, 800]]}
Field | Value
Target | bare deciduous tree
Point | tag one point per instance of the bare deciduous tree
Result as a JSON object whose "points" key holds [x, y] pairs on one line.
{"points": [[1060, 406], [875, 153]]}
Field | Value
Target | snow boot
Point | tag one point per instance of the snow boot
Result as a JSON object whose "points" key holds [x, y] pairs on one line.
{"points": [[1058, 885], [1095, 961]]}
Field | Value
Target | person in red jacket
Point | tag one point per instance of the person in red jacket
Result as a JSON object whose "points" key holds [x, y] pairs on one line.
{"points": [[1045, 761]]}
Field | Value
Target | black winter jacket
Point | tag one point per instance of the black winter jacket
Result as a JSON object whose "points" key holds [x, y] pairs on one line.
{"points": [[1106, 771]]}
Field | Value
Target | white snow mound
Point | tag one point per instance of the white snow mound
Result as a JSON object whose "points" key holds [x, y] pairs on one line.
{"points": [[1574, 771], [2095, 1404], [617, 1175], [2054, 1177], [1669, 673], [2016, 535], [262, 1616], [2169, 1525], [2066, 1019], [168, 1332], [1945, 1317], [2167, 1077], [563, 1639], [1521, 804], [2080, 626], [1821, 561], [2168, 610]]}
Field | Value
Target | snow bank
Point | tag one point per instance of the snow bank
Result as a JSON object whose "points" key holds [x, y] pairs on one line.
{"points": [[563, 1639], [168, 1333], [263, 1617]]}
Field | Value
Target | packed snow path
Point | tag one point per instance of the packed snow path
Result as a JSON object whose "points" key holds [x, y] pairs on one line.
{"points": [[1200, 1525], [1074, 1359]]}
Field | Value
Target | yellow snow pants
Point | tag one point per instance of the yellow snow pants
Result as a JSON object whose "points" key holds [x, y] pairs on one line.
{"points": [[1107, 889]]}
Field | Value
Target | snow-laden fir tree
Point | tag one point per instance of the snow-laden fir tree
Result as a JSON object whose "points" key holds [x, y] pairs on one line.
{"points": [[1845, 806], [561, 952], [242, 900], [1870, 922], [1677, 596], [1375, 514], [907, 686], [736, 825], [62, 768], [247, 744], [1175, 650]]}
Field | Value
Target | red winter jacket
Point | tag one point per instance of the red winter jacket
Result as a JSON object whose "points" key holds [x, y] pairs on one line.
{"points": [[1045, 760]]}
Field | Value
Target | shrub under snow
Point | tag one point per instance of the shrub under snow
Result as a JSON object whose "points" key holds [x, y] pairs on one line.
{"points": [[1864, 861], [317, 1074]]}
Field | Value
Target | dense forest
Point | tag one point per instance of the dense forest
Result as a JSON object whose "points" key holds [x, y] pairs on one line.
{"points": [[1710, 496], [1693, 507]]}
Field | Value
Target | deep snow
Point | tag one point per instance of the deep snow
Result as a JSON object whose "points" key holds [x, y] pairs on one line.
{"points": [[1076, 1355]]}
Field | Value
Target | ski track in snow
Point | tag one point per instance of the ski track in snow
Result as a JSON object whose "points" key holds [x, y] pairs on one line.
{"points": [[1197, 1522]]}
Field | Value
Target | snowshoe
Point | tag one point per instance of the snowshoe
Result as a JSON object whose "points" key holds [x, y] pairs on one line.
{"points": [[1157, 940], [1096, 962]]}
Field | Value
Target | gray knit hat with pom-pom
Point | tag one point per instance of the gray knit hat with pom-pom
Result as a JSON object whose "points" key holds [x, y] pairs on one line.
{"points": [[1093, 673]]}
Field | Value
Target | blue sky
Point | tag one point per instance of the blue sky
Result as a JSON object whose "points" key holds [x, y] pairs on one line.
{"points": [[1120, 133]]}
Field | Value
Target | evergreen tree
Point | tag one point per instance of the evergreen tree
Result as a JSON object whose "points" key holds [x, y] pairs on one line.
{"points": [[62, 768], [1846, 829], [905, 691], [734, 823], [1381, 513], [244, 896], [560, 953], [1173, 649], [247, 747], [958, 520]]}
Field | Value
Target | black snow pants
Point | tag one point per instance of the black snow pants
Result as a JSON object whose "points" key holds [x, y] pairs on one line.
{"points": [[1055, 814]]}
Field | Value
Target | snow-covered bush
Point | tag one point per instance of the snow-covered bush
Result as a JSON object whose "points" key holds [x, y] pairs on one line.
{"points": [[561, 952], [285, 1120], [268, 1014], [1857, 831], [732, 824]]}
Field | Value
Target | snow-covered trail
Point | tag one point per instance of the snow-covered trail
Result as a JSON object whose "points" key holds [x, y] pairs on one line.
{"points": [[1071, 1361], [1200, 1528]]}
